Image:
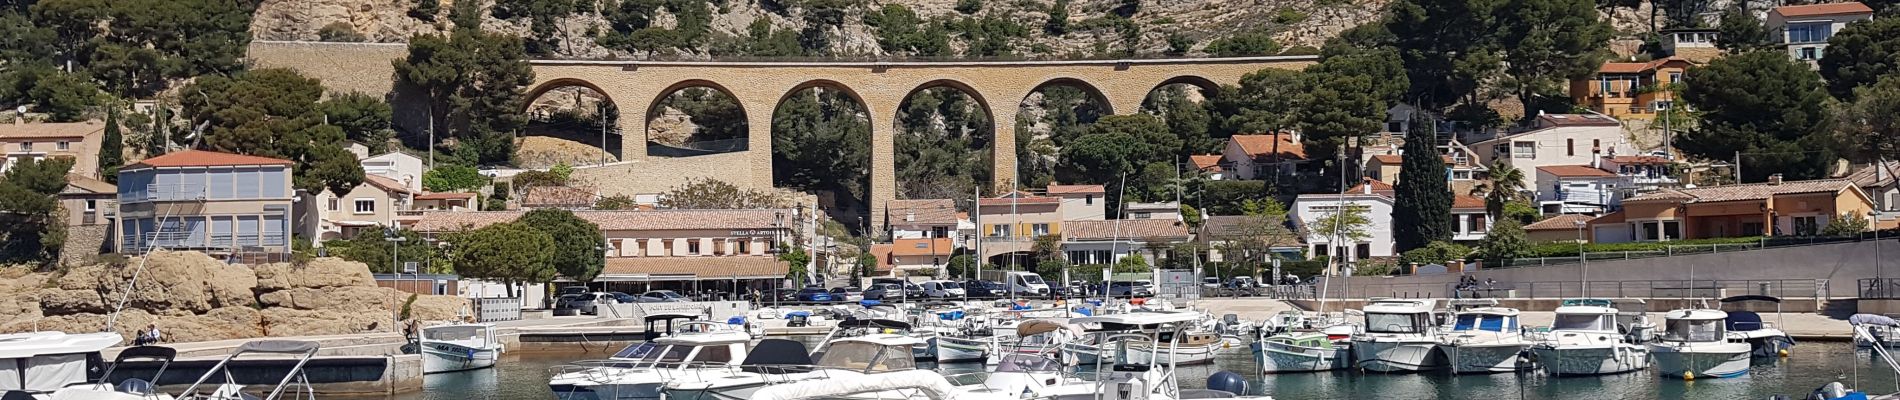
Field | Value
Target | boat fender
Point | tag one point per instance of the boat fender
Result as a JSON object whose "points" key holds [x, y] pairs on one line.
{"points": [[1688, 376], [1783, 353]]}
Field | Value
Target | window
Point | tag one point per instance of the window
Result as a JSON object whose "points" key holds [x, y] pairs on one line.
{"points": [[1596, 145], [1363, 250], [1477, 223], [1570, 147], [1810, 33], [1319, 250], [62, 145], [1809, 53], [1000, 230], [1675, 77], [1088, 199], [1396, 323], [365, 206], [939, 232], [334, 203], [1751, 228], [92, 205], [1807, 226], [1661, 105], [692, 247], [1672, 230], [1039, 229], [26, 146], [1524, 149], [1603, 86], [745, 247], [1394, 126]]}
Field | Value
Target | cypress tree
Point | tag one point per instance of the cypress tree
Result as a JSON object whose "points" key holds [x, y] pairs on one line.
{"points": [[111, 149], [1422, 212]]}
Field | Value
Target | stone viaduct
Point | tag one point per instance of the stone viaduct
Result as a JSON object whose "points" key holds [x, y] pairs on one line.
{"points": [[997, 86], [636, 86]]}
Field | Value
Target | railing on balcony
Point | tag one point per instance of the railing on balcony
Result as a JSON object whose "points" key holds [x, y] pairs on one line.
{"points": [[166, 192], [140, 243]]}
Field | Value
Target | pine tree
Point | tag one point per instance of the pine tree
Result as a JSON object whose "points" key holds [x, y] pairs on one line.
{"points": [[1422, 212], [111, 149]]}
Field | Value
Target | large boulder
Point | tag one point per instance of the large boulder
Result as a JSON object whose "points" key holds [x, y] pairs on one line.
{"points": [[320, 273], [439, 308], [177, 283], [279, 321], [63, 301], [342, 298]]}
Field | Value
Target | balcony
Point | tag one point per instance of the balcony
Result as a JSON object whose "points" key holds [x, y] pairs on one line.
{"points": [[165, 192]]}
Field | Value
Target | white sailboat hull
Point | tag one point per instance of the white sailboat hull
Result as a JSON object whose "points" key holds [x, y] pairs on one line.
{"points": [[952, 350], [1280, 358], [1485, 358], [1181, 355]]}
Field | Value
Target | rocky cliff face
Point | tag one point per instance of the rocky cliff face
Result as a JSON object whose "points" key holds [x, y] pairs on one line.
{"points": [[192, 297]]}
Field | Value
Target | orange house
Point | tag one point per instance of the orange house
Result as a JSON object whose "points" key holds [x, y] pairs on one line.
{"points": [[1773, 208], [1625, 90]]}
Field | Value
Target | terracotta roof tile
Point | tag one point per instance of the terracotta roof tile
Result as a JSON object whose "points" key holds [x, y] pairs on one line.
{"points": [[695, 267], [445, 221], [923, 247], [1815, 10], [1076, 189], [1206, 162], [445, 196], [386, 184], [1463, 202], [1261, 146], [48, 130], [1611, 218], [1752, 191], [1622, 68], [1018, 198], [1389, 159], [1377, 186], [1129, 229], [1560, 222], [202, 158], [924, 212], [1579, 171], [1873, 174]]}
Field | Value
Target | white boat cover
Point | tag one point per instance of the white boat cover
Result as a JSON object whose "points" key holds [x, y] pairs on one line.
{"points": [[1872, 319], [926, 383]]}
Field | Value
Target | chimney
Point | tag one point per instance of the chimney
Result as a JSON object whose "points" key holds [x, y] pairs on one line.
{"points": [[1365, 187], [1774, 179]]}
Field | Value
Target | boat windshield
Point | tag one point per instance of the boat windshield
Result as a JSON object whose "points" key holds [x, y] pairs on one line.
{"points": [[1583, 322], [1693, 330], [1482, 322], [867, 357], [648, 354], [458, 333], [1396, 323]]}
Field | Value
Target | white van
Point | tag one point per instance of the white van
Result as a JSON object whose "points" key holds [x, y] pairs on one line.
{"points": [[943, 289], [1025, 284]]}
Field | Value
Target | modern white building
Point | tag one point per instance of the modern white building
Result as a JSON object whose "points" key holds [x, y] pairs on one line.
{"points": [[1576, 189], [1167, 210], [1308, 209], [397, 166], [1559, 139], [1108, 242], [1805, 29]]}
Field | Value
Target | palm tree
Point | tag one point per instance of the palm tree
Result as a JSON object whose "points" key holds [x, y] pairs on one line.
{"points": [[1506, 186]]}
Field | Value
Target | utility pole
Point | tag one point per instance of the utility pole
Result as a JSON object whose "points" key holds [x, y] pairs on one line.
{"points": [[1738, 167], [603, 133], [432, 134]]}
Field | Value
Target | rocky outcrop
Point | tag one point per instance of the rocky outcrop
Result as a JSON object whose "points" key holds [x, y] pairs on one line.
{"points": [[193, 297]]}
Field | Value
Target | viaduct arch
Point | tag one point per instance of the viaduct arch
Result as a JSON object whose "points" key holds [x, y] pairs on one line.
{"points": [[998, 86]]}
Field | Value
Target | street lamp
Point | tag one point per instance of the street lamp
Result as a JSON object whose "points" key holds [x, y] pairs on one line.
{"points": [[394, 237], [1583, 274]]}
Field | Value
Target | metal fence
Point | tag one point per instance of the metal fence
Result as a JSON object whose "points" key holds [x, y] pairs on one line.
{"points": [[1879, 288], [496, 309], [1651, 289]]}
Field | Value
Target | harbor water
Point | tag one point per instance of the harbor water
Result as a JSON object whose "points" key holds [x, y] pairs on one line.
{"points": [[525, 375]]}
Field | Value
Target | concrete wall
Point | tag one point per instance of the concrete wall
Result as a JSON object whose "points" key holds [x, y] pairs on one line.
{"points": [[1840, 265]]}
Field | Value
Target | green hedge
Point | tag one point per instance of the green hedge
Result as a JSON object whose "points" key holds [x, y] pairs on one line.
{"points": [[1557, 249]]}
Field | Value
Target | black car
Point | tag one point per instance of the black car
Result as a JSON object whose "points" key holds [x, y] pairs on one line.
{"points": [[978, 288]]}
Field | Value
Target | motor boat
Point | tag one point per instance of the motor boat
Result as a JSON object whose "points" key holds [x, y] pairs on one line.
{"points": [[1027, 375], [1132, 377], [302, 351], [1765, 339], [1189, 348], [1483, 339], [953, 335], [1695, 344], [855, 326], [1300, 351], [1882, 331], [1401, 335], [37, 364], [641, 371], [1585, 339], [870, 366], [457, 347], [1038, 337], [130, 388]]}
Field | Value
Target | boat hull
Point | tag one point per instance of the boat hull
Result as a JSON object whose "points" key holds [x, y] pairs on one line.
{"points": [[1282, 358], [438, 357], [642, 391], [1727, 361], [1181, 355], [1398, 356], [954, 350], [1591, 360], [1485, 358]]}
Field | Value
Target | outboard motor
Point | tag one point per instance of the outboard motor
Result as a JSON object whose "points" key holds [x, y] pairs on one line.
{"points": [[1227, 381]]}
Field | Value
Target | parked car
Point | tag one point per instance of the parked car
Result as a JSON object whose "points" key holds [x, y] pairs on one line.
{"points": [[943, 289], [847, 293], [884, 291], [1211, 282], [569, 304], [661, 296], [590, 303], [913, 291], [1126, 289], [813, 294], [985, 289], [573, 290]]}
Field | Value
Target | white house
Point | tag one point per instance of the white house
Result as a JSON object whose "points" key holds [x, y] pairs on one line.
{"points": [[1162, 210], [398, 166], [1805, 29], [1559, 139], [1107, 242], [921, 218], [1308, 209], [1469, 219], [1080, 202], [1254, 157], [1576, 189], [1641, 173]]}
